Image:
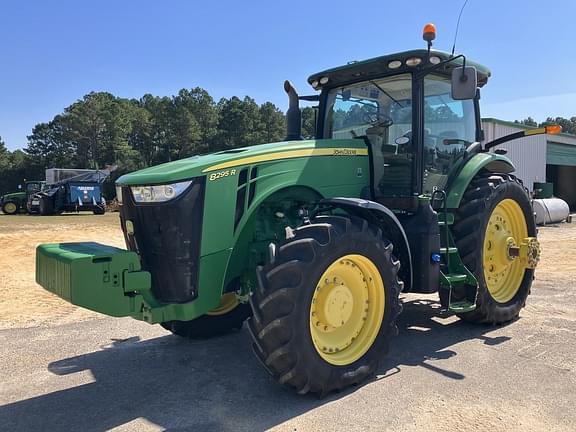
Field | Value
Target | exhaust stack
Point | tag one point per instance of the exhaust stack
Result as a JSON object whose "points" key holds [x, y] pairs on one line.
{"points": [[293, 115]]}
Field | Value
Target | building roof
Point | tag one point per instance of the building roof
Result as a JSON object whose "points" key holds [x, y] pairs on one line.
{"points": [[562, 138]]}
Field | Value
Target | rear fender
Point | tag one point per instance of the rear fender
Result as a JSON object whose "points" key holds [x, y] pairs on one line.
{"points": [[482, 161]]}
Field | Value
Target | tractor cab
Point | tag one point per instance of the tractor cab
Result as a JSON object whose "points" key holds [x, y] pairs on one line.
{"points": [[402, 105], [33, 187]]}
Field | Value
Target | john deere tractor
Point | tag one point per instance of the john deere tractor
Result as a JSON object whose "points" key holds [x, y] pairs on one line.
{"points": [[15, 202], [312, 241]]}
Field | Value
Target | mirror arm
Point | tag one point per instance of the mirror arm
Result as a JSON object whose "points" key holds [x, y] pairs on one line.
{"points": [[516, 135], [310, 98], [463, 78]]}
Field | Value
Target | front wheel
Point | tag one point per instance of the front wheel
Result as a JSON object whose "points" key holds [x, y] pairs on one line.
{"points": [[326, 305], [10, 208], [228, 316], [495, 233]]}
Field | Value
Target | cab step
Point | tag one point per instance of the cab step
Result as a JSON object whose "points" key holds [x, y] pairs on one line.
{"points": [[445, 219], [461, 307], [451, 250], [456, 278]]}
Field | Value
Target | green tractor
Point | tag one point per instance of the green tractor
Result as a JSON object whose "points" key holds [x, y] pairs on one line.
{"points": [[15, 202], [312, 241]]}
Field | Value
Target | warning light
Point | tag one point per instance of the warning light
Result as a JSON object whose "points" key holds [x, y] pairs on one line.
{"points": [[429, 33], [553, 129]]}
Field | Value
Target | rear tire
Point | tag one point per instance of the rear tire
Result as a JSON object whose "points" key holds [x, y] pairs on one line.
{"points": [[10, 208], [284, 304], [496, 302], [46, 206]]}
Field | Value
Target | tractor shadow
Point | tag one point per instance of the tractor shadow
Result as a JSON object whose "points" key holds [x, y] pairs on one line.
{"points": [[213, 385], [425, 334]]}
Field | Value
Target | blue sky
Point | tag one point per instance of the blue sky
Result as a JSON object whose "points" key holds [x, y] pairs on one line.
{"points": [[52, 53]]}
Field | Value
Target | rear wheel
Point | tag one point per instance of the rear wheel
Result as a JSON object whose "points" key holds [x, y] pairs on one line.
{"points": [[495, 233], [228, 316], [10, 208], [326, 305]]}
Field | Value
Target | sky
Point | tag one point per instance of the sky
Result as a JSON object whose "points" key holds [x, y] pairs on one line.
{"points": [[54, 52]]}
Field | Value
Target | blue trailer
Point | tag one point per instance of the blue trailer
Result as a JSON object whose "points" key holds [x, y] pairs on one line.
{"points": [[71, 190]]}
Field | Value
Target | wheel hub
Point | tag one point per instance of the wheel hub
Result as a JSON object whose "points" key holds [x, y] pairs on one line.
{"points": [[333, 306], [508, 250], [529, 252], [347, 309]]}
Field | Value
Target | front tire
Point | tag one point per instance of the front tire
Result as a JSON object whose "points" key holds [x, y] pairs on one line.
{"points": [[326, 305], [494, 210], [10, 208], [229, 316]]}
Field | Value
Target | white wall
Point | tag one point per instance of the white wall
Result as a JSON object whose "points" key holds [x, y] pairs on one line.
{"points": [[528, 154]]}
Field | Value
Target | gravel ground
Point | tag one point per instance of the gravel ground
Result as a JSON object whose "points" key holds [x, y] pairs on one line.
{"points": [[62, 369]]}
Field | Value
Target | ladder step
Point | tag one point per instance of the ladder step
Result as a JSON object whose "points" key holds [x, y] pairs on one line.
{"points": [[461, 307], [443, 217], [450, 250], [456, 278]]}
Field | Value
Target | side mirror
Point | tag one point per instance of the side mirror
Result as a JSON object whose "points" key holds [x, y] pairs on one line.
{"points": [[464, 83]]}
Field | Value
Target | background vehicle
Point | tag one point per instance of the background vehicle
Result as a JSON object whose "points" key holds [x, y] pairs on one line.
{"points": [[70, 190], [315, 240], [15, 202]]}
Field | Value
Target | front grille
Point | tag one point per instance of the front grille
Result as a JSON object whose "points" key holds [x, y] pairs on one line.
{"points": [[167, 236]]}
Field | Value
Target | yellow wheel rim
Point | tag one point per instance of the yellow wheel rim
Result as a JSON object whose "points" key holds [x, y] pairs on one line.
{"points": [[228, 302], [347, 309], [10, 208], [506, 229]]}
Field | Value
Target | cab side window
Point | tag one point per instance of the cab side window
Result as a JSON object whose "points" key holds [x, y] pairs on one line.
{"points": [[449, 127]]}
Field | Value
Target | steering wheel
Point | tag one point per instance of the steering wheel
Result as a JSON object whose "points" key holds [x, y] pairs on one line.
{"points": [[377, 119]]}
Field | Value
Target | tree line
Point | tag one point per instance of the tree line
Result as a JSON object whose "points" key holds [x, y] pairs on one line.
{"points": [[101, 130]]}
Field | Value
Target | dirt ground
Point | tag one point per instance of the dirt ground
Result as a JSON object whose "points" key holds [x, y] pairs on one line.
{"points": [[24, 304]]}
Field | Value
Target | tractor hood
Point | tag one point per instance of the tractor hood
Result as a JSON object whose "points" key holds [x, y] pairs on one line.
{"points": [[13, 195], [196, 166]]}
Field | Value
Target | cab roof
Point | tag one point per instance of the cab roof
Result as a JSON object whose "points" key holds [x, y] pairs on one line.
{"points": [[378, 66]]}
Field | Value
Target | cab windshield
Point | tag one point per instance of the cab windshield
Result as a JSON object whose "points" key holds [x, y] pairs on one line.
{"points": [[33, 187], [357, 109], [380, 112]]}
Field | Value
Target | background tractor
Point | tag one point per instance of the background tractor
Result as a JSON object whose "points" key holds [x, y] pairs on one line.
{"points": [[314, 240], [15, 202]]}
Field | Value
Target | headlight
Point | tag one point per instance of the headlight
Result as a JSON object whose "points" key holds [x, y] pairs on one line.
{"points": [[160, 193], [119, 194]]}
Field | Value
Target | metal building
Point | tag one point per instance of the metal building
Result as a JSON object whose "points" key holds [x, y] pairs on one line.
{"points": [[539, 158]]}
